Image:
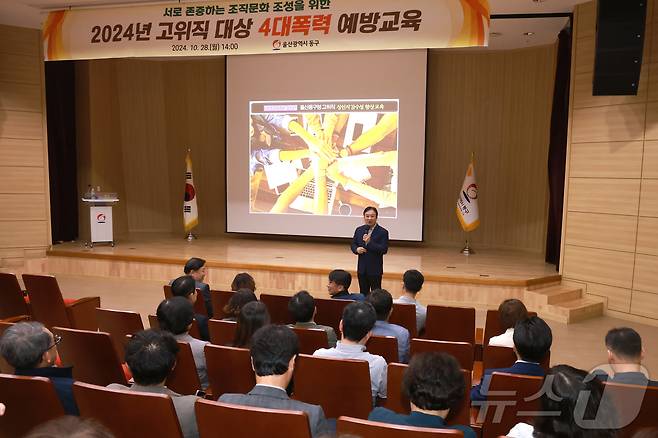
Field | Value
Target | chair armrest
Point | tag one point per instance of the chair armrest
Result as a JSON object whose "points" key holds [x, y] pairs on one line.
{"points": [[82, 313], [17, 318]]}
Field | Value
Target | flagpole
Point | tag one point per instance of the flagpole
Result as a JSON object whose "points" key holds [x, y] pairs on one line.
{"points": [[467, 250]]}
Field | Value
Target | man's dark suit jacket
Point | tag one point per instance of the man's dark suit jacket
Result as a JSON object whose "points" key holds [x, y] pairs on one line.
{"points": [[372, 262], [204, 288], [276, 398], [479, 392], [417, 419]]}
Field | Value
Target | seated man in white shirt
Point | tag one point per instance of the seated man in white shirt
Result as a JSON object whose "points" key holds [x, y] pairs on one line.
{"points": [[509, 312], [412, 283], [356, 328]]}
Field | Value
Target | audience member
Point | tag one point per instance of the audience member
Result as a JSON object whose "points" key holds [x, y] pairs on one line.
{"points": [[382, 301], [532, 341], [576, 400], [185, 287], [31, 349], [151, 356], [509, 313], [625, 355], [302, 309], [175, 316], [243, 281], [356, 328], [196, 268], [412, 283], [434, 384], [273, 353], [253, 316], [237, 301], [339, 284], [70, 427]]}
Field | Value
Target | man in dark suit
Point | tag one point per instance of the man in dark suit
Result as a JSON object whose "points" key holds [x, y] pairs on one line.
{"points": [[196, 268], [273, 353], [185, 287], [532, 341], [625, 354], [370, 243]]}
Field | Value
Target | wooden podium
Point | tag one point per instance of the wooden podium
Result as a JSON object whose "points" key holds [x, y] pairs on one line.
{"points": [[100, 218]]}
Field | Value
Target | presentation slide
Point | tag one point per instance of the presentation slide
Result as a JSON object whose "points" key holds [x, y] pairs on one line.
{"points": [[322, 145]]}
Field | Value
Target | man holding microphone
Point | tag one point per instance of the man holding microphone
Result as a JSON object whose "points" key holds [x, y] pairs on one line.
{"points": [[370, 243]]}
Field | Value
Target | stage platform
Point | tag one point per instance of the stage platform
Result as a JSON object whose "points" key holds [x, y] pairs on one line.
{"points": [[286, 266]]}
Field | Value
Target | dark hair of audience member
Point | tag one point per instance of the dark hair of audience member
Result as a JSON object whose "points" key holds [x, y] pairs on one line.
{"points": [[183, 286], [238, 301], [624, 342], [574, 395], [151, 355], [358, 319], [413, 281], [175, 315], [253, 316], [23, 344], [382, 301], [532, 339], [341, 278], [243, 281], [272, 347], [510, 312], [301, 306], [370, 208], [433, 381], [194, 264], [70, 427]]}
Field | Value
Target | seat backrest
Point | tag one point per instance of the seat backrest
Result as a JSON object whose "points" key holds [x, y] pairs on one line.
{"points": [[229, 370], [461, 413], [46, 300], [199, 304], [384, 346], [219, 299], [322, 381], [128, 413], [504, 357], [167, 291], [404, 315], [372, 429], [29, 402], [153, 322], [222, 332], [227, 420], [92, 354], [636, 407], [492, 325], [184, 379], [456, 324], [462, 351], [194, 330], [330, 312], [119, 323], [4, 366], [12, 302], [514, 395], [277, 306], [311, 340]]}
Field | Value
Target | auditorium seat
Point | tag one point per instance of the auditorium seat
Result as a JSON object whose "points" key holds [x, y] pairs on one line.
{"points": [[462, 351], [194, 330], [637, 407], [29, 402], [184, 379], [504, 357], [128, 413], [119, 324], [222, 332], [222, 419], [49, 308], [12, 303], [229, 370], [92, 356], [311, 340], [199, 304], [330, 312], [455, 324], [404, 315], [516, 396], [384, 346], [277, 306], [322, 381], [219, 299], [372, 429]]}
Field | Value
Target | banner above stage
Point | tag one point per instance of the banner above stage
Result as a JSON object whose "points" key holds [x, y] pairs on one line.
{"points": [[237, 28]]}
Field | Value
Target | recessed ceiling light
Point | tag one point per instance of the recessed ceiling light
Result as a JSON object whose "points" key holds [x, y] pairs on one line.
{"points": [[495, 34], [528, 33]]}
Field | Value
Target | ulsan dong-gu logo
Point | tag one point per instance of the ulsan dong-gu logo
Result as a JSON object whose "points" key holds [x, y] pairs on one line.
{"points": [[276, 45], [100, 218], [471, 192]]}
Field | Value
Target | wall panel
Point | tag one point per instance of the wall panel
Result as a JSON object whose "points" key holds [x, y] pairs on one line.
{"points": [[585, 229], [621, 159], [647, 235], [611, 268], [604, 195], [608, 123]]}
